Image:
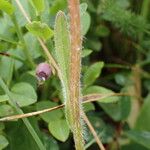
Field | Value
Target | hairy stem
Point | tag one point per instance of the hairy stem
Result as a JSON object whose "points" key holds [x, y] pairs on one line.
{"points": [[73, 104]]}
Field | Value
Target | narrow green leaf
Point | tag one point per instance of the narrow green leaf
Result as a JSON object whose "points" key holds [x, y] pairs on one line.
{"points": [[141, 137], [50, 116], [23, 94], [62, 46], [40, 29], [39, 5], [92, 73], [3, 142], [59, 129], [6, 6], [62, 42]]}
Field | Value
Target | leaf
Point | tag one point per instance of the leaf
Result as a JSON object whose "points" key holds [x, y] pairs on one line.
{"points": [[3, 142], [59, 129], [32, 45], [24, 94], [141, 137], [6, 6], [40, 29], [118, 108], [50, 116], [92, 73], [49, 142], [102, 31], [88, 107], [58, 5], [85, 18], [6, 69], [133, 146], [3, 98], [39, 5], [86, 52], [62, 48], [19, 137], [101, 90], [143, 120], [6, 110]]}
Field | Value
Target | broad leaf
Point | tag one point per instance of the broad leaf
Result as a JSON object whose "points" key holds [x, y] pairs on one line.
{"points": [[39, 29], [6, 110], [59, 129], [49, 116], [24, 94]]}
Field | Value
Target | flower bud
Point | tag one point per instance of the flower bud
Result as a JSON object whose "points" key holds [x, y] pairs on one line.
{"points": [[43, 71]]}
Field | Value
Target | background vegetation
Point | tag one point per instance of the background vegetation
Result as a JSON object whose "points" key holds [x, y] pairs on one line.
{"points": [[115, 61]]}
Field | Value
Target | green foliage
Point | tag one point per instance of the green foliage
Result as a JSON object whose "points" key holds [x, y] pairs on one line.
{"points": [[59, 129], [101, 90], [38, 5], [6, 7], [62, 45], [85, 18], [3, 142], [141, 137], [6, 110], [23, 94], [115, 39], [92, 73], [50, 116], [143, 122], [40, 29], [126, 20]]}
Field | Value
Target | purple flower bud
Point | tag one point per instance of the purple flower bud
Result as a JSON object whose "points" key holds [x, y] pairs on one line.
{"points": [[43, 71]]}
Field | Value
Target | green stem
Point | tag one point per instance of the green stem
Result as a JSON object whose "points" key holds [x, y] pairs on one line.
{"points": [[19, 111], [117, 66], [25, 49]]}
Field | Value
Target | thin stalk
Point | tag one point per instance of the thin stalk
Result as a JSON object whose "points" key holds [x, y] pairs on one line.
{"points": [[51, 60], [86, 99], [19, 111], [117, 66], [25, 49], [97, 139]]}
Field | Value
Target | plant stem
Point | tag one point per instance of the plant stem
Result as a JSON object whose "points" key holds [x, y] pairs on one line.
{"points": [[19, 111], [25, 49], [85, 99], [73, 104], [97, 139]]}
